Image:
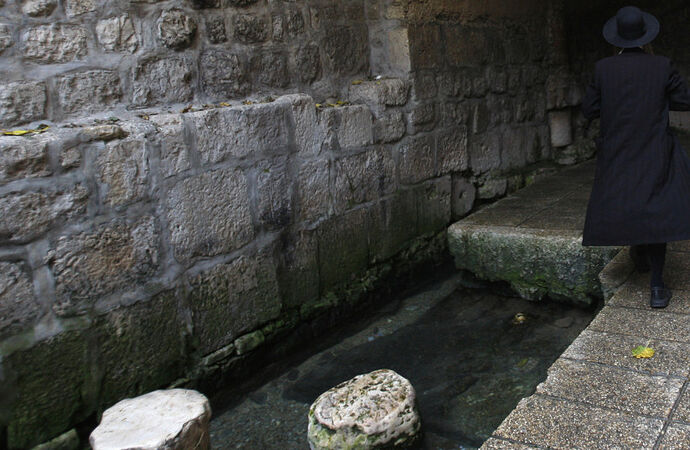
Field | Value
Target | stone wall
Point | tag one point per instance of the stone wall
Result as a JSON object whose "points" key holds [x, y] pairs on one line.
{"points": [[182, 214], [65, 59]]}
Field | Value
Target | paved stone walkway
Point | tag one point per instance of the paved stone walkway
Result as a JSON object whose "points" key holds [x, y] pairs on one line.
{"points": [[597, 395]]}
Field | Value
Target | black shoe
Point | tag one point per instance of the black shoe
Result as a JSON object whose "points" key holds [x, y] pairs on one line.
{"points": [[639, 258], [660, 297]]}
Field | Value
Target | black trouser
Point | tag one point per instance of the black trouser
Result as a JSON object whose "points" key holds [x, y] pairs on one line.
{"points": [[656, 255]]}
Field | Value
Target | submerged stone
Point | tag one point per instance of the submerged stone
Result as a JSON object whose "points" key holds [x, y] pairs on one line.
{"points": [[175, 419], [370, 411]]}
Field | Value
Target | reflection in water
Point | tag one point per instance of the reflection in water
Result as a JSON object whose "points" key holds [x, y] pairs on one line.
{"points": [[470, 355]]}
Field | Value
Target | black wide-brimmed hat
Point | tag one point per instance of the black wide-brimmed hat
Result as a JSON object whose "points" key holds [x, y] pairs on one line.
{"points": [[631, 27]]}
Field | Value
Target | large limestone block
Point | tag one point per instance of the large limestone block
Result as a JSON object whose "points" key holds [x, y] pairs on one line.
{"points": [[22, 102], [89, 91], [18, 306], [51, 44], [560, 124], [389, 92], [23, 157], [123, 166], [117, 34], [174, 419], [375, 410], [223, 74], [165, 80], [176, 29]]}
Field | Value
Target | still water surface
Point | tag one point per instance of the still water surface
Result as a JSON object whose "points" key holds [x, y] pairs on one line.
{"points": [[465, 353]]}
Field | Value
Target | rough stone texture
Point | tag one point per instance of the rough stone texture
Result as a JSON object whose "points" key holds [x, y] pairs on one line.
{"points": [[54, 43], [163, 80], [37, 8], [25, 157], [174, 155], [342, 253], [308, 63], [85, 92], [18, 306], [250, 29], [53, 388], [416, 161], [452, 151], [175, 419], [389, 127], [117, 34], [313, 188], [298, 271], [434, 205], [363, 177], [22, 102], [176, 29], [232, 299], [346, 49], [223, 74], [274, 190], [24, 217], [561, 128], [463, 196], [78, 7], [123, 166], [369, 411], [66, 441], [241, 131], [249, 342], [389, 92], [209, 214], [215, 27], [352, 125], [272, 69], [6, 40], [90, 265]]}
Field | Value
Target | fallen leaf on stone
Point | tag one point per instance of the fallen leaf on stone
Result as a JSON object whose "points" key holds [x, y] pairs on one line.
{"points": [[341, 103], [187, 108], [223, 104], [247, 102], [40, 129], [356, 82], [522, 362], [519, 318], [144, 116], [642, 352], [113, 119]]}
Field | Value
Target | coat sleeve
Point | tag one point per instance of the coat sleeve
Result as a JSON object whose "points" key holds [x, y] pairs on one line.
{"points": [[591, 103], [677, 91]]}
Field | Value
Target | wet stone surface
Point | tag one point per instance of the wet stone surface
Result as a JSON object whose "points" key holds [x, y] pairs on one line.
{"points": [[467, 357]]}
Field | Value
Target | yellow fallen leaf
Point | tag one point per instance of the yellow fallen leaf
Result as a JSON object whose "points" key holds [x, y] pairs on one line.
{"points": [[318, 105], [223, 104], [247, 102], [40, 129], [356, 82], [341, 103], [642, 352], [187, 108]]}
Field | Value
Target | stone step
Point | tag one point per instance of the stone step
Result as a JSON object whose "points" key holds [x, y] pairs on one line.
{"points": [[532, 240]]}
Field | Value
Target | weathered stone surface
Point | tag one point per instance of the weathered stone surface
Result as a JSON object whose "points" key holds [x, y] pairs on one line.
{"points": [[298, 271], [102, 133], [308, 63], [117, 34], [165, 80], [308, 134], [452, 151], [416, 161], [389, 92], [123, 165], [485, 152], [22, 102], [353, 125], [223, 74], [24, 217], [66, 441], [346, 49], [142, 346], [209, 214], [249, 342], [313, 189], [562, 90], [18, 306], [54, 43], [78, 7], [343, 254], [389, 127], [176, 29], [271, 68], [70, 158], [175, 419], [274, 190], [90, 265], [463, 195], [250, 29], [369, 411], [241, 2], [433, 205], [215, 27], [561, 128], [425, 53], [391, 223], [241, 131], [37, 8], [492, 188], [232, 299], [174, 156], [54, 389], [6, 40], [85, 92], [535, 264], [25, 157], [423, 114], [363, 177]]}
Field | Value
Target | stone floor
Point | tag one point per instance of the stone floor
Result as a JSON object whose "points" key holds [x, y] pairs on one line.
{"points": [[597, 395]]}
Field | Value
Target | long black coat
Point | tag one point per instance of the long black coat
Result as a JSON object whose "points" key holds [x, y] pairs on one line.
{"points": [[641, 191]]}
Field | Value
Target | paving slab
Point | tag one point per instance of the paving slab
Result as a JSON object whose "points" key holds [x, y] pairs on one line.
{"points": [[557, 423], [612, 387], [631, 296], [656, 324], [682, 413], [677, 437], [502, 444]]}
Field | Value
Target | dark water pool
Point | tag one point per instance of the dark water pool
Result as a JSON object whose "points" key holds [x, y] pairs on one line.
{"points": [[465, 353]]}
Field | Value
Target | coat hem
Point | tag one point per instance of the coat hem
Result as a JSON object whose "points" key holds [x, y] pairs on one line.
{"points": [[622, 243]]}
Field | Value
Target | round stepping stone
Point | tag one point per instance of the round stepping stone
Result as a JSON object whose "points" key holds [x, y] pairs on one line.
{"points": [[167, 419], [370, 411]]}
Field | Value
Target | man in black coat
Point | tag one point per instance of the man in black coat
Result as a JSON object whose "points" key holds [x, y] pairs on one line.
{"points": [[641, 191]]}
